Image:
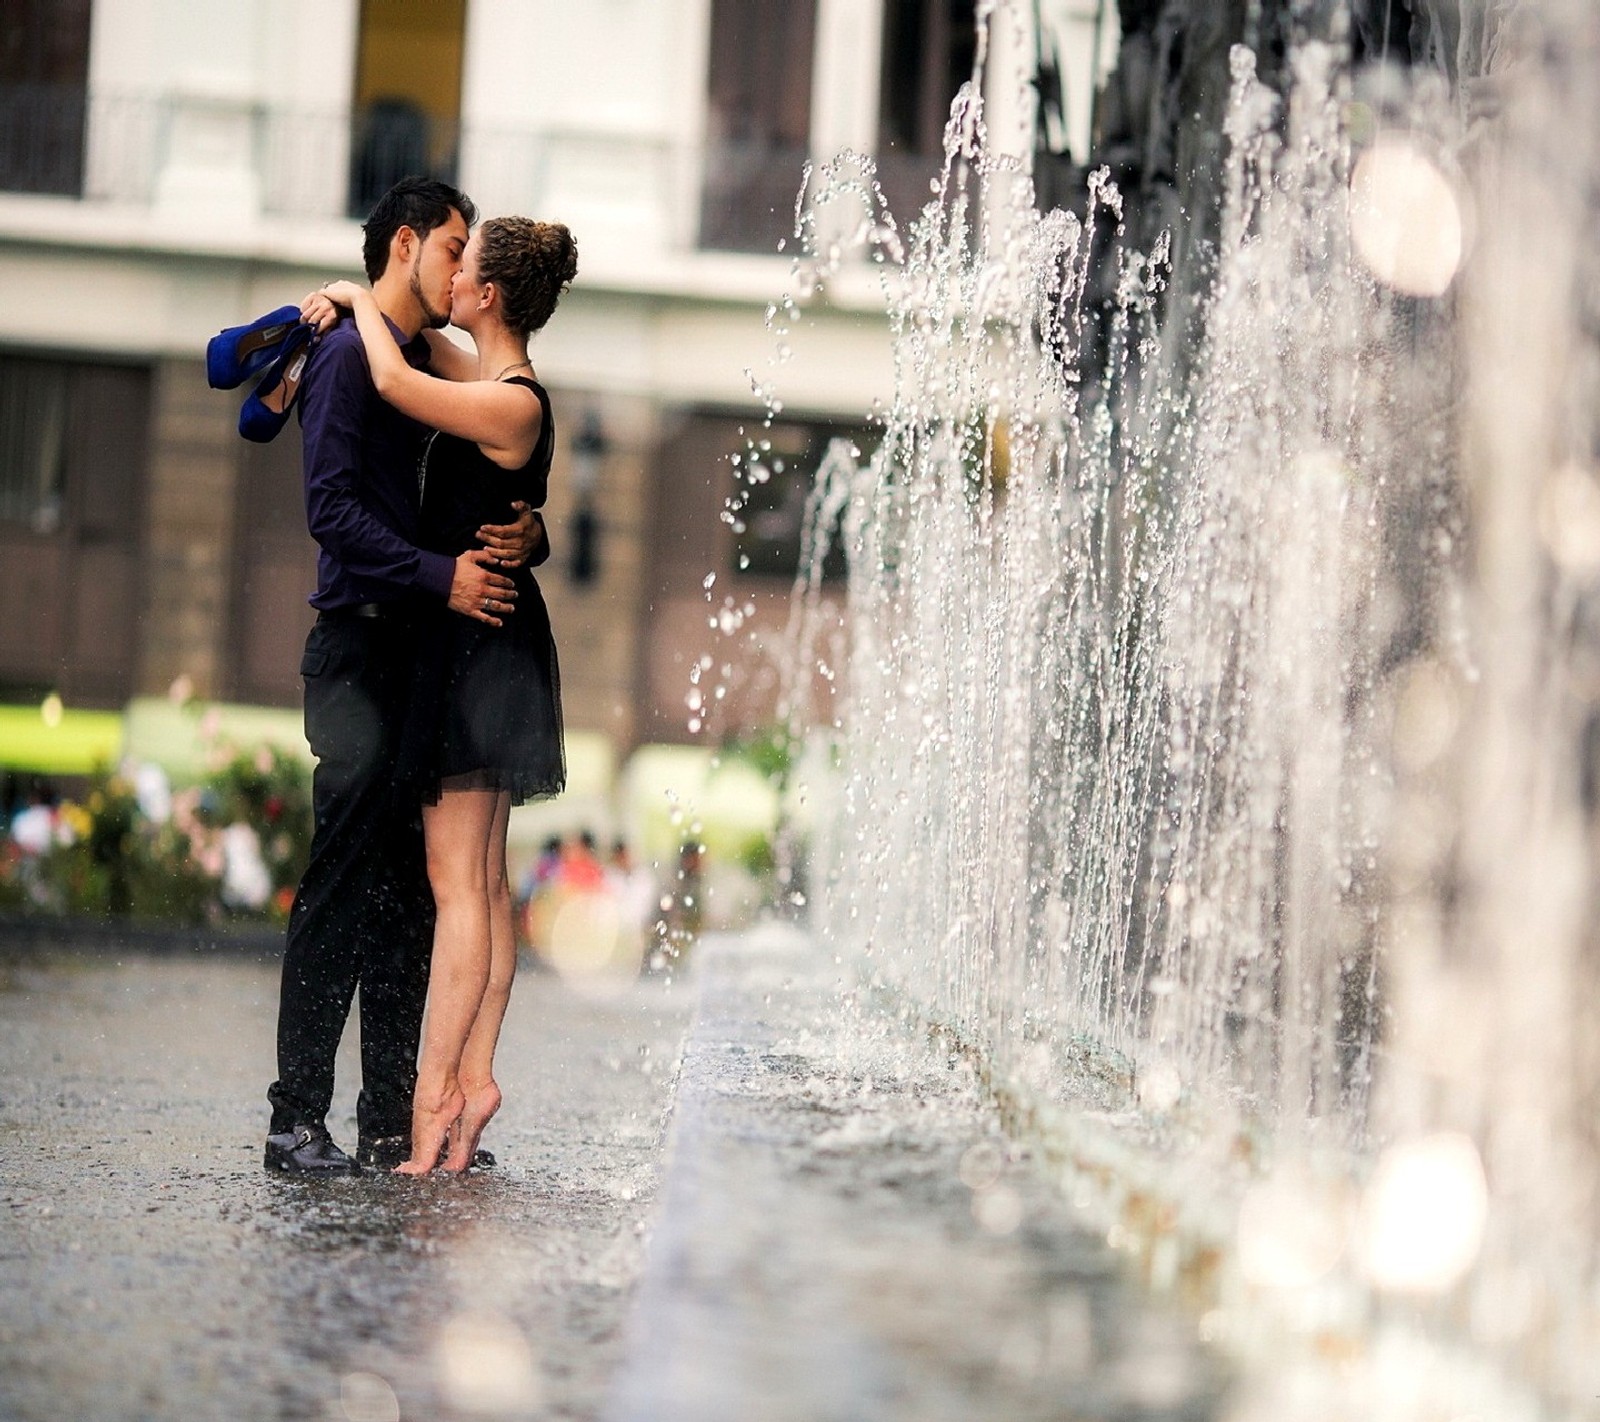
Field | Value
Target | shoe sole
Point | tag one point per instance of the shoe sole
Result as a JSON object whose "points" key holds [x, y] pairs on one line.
{"points": [[283, 1167]]}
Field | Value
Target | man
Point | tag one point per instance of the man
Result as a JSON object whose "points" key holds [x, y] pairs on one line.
{"points": [[363, 915]]}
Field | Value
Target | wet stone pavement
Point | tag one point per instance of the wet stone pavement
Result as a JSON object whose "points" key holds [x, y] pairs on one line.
{"points": [[150, 1268], [718, 1199]]}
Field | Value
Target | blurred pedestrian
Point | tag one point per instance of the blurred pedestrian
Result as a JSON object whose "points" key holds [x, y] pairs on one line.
{"points": [[580, 870], [543, 868], [677, 928], [632, 887]]}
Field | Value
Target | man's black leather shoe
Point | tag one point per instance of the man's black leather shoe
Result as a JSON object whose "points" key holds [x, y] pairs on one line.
{"points": [[382, 1152], [386, 1152], [307, 1150]]}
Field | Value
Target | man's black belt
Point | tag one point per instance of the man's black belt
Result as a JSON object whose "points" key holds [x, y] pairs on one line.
{"points": [[368, 609]]}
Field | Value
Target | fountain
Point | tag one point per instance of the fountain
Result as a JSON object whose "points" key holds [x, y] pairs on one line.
{"points": [[1219, 737]]}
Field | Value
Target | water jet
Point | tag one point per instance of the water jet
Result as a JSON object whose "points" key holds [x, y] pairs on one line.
{"points": [[1216, 745]]}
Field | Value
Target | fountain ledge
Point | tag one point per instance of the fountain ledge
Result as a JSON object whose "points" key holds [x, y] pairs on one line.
{"points": [[1171, 1207]]}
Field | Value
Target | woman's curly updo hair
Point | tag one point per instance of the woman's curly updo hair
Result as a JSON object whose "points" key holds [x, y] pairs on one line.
{"points": [[530, 263]]}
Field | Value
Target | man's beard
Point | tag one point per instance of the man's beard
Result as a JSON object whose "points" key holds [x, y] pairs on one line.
{"points": [[438, 320]]}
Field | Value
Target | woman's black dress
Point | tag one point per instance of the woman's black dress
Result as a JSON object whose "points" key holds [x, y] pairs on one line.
{"points": [[486, 713]]}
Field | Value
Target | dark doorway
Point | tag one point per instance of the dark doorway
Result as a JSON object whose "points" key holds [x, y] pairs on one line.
{"points": [[407, 114], [74, 451], [929, 47], [758, 121]]}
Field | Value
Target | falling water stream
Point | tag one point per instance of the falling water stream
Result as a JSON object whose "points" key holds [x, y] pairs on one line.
{"points": [[1219, 738]]}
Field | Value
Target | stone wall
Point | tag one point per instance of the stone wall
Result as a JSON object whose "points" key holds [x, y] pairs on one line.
{"points": [[194, 464]]}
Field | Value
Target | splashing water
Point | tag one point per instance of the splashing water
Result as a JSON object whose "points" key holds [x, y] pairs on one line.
{"points": [[1220, 713]]}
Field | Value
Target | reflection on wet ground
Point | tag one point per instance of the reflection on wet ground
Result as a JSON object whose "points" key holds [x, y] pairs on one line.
{"points": [[152, 1269], [834, 1229]]}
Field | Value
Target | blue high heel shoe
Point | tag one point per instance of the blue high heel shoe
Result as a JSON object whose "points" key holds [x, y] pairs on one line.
{"points": [[234, 355], [266, 408]]}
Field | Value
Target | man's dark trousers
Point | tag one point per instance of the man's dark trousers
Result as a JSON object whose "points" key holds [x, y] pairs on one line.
{"points": [[363, 915]]}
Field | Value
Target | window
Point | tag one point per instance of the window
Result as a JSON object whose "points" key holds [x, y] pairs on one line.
{"points": [[407, 95], [74, 441], [929, 47], [33, 423], [44, 74], [775, 478], [759, 478], [759, 121]]}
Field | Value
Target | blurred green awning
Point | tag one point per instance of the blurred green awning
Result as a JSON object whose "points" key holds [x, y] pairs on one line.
{"points": [[62, 742], [185, 739]]}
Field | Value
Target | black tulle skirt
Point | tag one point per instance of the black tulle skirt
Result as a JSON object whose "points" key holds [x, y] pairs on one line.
{"points": [[485, 711]]}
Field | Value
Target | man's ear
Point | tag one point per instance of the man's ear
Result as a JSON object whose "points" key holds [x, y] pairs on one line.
{"points": [[404, 243]]}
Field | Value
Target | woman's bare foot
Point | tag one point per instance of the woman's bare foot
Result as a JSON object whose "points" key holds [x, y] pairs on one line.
{"points": [[431, 1120], [481, 1104]]}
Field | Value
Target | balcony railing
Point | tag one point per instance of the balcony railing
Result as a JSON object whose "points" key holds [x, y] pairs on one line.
{"points": [[240, 157], [299, 163]]}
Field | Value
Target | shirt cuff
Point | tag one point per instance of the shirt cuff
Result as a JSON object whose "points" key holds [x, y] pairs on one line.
{"points": [[436, 571]]}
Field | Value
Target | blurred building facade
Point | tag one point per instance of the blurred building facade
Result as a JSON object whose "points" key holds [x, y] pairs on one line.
{"points": [[171, 167]]}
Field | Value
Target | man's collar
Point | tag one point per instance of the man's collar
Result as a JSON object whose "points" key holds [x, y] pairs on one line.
{"points": [[415, 348]]}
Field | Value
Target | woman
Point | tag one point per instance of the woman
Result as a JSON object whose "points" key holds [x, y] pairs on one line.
{"points": [[488, 711]]}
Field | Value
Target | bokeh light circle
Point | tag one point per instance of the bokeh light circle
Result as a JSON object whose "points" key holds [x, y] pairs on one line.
{"points": [[1405, 219], [1424, 1214]]}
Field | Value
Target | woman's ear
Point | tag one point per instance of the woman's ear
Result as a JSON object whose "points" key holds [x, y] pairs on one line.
{"points": [[488, 294]]}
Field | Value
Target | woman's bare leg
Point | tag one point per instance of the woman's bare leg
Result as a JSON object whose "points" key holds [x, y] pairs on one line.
{"points": [[457, 831], [477, 1059]]}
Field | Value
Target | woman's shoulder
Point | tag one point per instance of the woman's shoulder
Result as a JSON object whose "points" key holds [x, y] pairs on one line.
{"points": [[528, 382], [546, 417]]}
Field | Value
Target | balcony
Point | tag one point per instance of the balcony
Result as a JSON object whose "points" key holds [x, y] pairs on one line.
{"points": [[215, 158]]}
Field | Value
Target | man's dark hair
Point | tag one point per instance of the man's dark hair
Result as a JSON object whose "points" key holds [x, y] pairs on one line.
{"points": [[418, 203]]}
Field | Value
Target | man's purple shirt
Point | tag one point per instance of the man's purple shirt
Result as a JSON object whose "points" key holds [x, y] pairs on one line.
{"points": [[361, 460]]}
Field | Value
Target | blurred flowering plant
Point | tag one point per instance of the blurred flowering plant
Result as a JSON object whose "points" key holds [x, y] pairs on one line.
{"points": [[235, 844], [269, 791]]}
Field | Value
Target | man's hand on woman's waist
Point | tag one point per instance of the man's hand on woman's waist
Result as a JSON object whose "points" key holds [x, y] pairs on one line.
{"points": [[480, 592]]}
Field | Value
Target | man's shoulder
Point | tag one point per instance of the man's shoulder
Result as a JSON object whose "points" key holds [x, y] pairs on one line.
{"points": [[338, 363], [341, 346]]}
